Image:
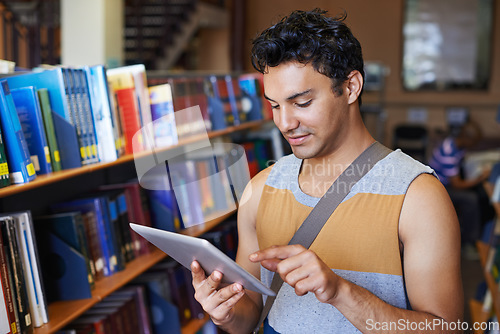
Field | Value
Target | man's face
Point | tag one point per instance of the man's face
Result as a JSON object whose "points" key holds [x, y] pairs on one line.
{"points": [[311, 117]]}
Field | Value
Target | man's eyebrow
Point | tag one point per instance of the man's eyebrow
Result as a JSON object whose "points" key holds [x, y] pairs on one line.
{"points": [[292, 97]]}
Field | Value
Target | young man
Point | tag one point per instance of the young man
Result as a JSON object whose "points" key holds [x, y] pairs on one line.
{"points": [[388, 257]]}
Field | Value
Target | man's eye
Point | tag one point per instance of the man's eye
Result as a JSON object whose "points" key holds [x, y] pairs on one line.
{"points": [[303, 105], [275, 107]]}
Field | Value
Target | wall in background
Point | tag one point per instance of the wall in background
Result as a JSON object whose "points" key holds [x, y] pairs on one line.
{"points": [[378, 24]]}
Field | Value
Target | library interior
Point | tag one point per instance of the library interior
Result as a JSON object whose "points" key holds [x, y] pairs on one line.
{"points": [[153, 112]]}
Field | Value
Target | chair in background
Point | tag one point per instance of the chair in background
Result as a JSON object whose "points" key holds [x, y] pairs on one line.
{"points": [[412, 139]]}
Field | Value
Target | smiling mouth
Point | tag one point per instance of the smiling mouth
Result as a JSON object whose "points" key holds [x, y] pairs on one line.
{"points": [[297, 140]]}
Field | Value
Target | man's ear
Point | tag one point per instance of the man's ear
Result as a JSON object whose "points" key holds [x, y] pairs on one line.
{"points": [[354, 86]]}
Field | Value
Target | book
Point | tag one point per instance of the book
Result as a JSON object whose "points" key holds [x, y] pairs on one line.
{"points": [[57, 84], [11, 248], [252, 95], [162, 113], [118, 128], [84, 105], [55, 158], [9, 319], [106, 126], [138, 292], [252, 84], [163, 206], [31, 266], [118, 198], [28, 109], [70, 228], [138, 72], [188, 115], [95, 206], [4, 167], [220, 108], [235, 99], [18, 156], [67, 142], [138, 211], [126, 98], [75, 107]]}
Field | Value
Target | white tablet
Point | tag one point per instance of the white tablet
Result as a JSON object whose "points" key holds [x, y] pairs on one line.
{"points": [[185, 249]]}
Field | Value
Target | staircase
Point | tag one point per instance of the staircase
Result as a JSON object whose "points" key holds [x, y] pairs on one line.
{"points": [[158, 31]]}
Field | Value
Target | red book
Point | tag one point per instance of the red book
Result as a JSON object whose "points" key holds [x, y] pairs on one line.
{"points": [[126, 99], [7, 302]]}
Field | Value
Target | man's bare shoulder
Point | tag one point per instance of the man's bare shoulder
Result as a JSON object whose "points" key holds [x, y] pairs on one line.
{"points": [[427, 207], [255, 186]]}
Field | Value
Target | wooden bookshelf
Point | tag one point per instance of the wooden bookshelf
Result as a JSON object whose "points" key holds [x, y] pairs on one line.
{"points": [[61, 313], [42, 180]]}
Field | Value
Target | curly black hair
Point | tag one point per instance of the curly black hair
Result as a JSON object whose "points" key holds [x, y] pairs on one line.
{"points": [[311, 37]]}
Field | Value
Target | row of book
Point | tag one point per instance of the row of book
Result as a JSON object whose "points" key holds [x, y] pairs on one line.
{"points": [[62, 117], [160, 300]]}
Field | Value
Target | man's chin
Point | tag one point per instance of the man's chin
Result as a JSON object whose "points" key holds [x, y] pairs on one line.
{"points": [[301, 153]]}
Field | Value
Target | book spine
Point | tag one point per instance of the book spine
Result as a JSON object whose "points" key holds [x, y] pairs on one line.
{"points": [[4, 167], [94, 245], [101, 113], [121, 203], [55, 160], [87, 108], [74, 118], [9, 231], [28, 111], [18, 156], [80, 113], [37, 273], [7, 288], [27, 266]]}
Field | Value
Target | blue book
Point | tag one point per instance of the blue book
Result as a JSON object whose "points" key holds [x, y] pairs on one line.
{"points": [[163, 206], [84, 107], [54, 82], [18, 156], [96, 207], [162, 113], [67, 142], [88, 113], [106, 126], [74, 102], [250, 91], [30, 116]]}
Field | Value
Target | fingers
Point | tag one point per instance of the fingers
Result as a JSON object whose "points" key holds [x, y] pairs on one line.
{"points": [[276, 252], [216, 300]]}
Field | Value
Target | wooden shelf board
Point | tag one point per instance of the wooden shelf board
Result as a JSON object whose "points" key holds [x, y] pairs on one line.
{"points": [[490, 281], [195, 325], [62, 313], [43, 180], [477, 314]]}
